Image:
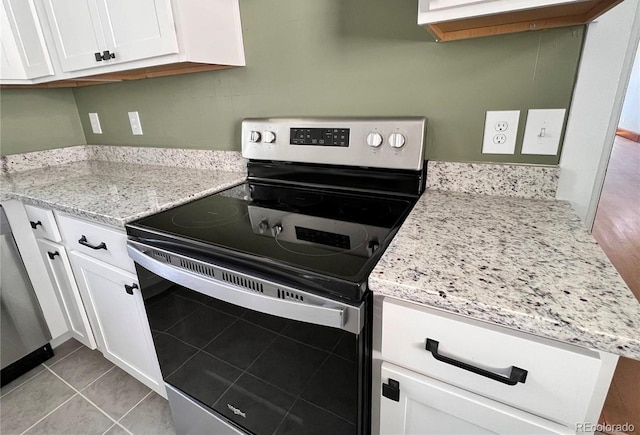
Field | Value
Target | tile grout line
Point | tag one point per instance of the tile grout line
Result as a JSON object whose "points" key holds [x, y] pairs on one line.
{"points": [[96, 379], [61, 359], [116, 424], [88, 400], [25, 382], [133, 407], [48, 414], [109, 428], [44, 365]]}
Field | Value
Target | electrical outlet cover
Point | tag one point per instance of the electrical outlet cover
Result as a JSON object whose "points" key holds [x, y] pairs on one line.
{"points": [[543, 130], [500, 132], [95, 123], [134, 120]]}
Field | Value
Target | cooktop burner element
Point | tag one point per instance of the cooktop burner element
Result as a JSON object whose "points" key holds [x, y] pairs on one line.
{"points": [[360, 209], [206, 219], [300, 199]]}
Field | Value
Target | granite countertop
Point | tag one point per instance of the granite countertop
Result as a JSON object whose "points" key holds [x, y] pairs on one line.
{"points": [[526, 264], [521, 263], [113, 193]]}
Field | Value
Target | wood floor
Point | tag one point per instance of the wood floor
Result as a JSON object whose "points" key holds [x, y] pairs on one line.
{"points": [[617, 230]]}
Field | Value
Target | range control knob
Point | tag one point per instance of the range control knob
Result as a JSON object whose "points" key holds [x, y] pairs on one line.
{"points": [[254, 136], [276, 230], [374, 140], [263, 226], [396, 140], [268, 136]]}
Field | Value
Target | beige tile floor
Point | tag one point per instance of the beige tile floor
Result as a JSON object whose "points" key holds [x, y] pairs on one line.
{"points": [[79, 392]]}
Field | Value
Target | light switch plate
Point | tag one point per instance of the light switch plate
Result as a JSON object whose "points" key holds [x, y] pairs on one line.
{"points": [[134, 120], [95, 123], [500, 131], [542, 134]]}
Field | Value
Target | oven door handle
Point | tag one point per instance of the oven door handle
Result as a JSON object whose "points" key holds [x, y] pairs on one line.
{"points": [[332, 316]]}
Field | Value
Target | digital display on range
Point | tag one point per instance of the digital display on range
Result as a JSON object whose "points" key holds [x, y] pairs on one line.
{"points": [[328, 137]]}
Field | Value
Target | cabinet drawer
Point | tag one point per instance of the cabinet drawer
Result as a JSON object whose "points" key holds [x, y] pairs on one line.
{"points": [[43, 223], [97, 241], [560, 379]]}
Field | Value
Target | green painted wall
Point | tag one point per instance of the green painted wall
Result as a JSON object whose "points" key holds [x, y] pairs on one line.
{"points": [[38, 119], [337, 57]]}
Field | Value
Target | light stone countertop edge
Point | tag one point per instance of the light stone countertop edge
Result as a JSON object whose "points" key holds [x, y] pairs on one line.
{"points": [[524, 264], [113, 193]]}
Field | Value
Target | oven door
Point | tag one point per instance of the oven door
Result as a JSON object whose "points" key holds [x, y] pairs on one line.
{"points": [[238, 360]]}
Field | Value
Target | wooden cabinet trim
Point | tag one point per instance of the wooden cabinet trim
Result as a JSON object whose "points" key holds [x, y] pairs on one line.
{"points": [[520, 21], [134, 74]]}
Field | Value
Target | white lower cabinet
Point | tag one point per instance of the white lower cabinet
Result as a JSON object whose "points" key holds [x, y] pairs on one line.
{"points": [[426, 406], [116, 310], [59, 269], [442, 373]]}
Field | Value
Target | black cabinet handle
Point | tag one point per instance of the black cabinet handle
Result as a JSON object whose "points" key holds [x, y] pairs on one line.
{"points": [[106, 55], [35, 224], [129, 288], [52, 255], [391, 390], [517, 374], [83, 241]]}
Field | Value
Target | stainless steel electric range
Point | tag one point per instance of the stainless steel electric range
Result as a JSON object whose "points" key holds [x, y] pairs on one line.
{"points": [[257, 295]]}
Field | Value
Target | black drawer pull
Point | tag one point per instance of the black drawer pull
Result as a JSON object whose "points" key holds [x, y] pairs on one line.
{"points": [[391, 390], [83, 241], [129, 288], [35, 224], [52, 255], [517, 374]]}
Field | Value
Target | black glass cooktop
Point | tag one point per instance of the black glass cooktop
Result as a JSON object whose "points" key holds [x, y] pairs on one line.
{"points": [[326, 241]]}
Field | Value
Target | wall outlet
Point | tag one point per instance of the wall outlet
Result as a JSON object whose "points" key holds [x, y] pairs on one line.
{"points": [[134, 120], [502, 126], [543, 130], [500, 131], [95, 123]]}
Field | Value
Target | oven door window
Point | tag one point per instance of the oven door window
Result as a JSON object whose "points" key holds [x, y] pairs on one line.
{"points": [[265, 374]]}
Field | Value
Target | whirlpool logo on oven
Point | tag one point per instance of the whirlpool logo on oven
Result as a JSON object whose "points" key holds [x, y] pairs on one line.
{"points": [[236, 411]]}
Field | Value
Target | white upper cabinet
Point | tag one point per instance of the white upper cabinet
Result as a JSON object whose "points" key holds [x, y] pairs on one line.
{"points": [[112, 40], [445, 10], [87, 33], [150, 33], [450, 20], [23, 53]]}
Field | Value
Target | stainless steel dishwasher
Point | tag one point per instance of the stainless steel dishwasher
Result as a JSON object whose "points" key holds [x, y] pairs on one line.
{"points": [[24, 336]]}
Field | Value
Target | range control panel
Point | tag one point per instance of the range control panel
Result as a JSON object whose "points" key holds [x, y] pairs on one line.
{"points": [[332, 137], [394, 143]]}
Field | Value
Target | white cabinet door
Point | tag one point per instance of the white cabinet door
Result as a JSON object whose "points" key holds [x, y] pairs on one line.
{"points": [[59, 269], [116, 311], [427, 406], [137, 30], [76, 31], [23, 52], [128, 30]]}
